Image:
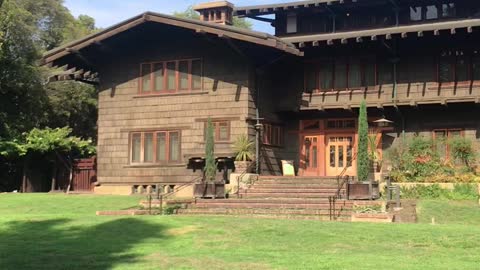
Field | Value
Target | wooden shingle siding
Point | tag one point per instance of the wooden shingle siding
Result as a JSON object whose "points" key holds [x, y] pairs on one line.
{"points": [[122, 110]]}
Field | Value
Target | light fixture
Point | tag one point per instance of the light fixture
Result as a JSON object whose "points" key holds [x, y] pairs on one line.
{"points": [[383, 122]]}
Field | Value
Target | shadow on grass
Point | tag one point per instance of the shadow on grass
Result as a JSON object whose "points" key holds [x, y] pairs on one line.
{"points": [[58, 244]]}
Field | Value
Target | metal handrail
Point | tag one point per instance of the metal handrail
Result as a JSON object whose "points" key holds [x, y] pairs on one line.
{"points": [[242, 175], [340, 184]]}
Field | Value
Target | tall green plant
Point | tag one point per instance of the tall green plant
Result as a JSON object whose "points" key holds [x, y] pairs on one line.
{"points": [[210, 164], [462, 149], [363, 162]]}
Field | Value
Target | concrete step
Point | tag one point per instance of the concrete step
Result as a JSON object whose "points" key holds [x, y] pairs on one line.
{"points": [[293, 185], [273, 216], [265, 205], [292, 190], [250, 194], [276, 200], [264, 211], [297, 181]]}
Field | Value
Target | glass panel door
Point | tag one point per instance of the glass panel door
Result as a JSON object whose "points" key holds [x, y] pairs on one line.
{"points": [[339, 157]]}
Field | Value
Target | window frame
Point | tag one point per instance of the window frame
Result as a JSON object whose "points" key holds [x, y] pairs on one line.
{"points": [[216, 130], [363, 62], [269, 130], [448, 132], [164, 90], [453, 63], [154, 146]]}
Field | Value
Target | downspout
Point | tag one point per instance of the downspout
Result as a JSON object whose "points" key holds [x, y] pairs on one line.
{"points": [[258, 124]]}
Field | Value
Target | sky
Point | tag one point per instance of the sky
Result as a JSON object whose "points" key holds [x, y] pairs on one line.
{"points": [[109, 12]]}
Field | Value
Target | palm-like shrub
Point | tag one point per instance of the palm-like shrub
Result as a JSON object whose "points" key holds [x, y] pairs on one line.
{"points": [[243, 148]]}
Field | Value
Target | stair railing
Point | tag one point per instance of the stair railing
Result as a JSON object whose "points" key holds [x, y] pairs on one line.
{"points": [[342, 181]]}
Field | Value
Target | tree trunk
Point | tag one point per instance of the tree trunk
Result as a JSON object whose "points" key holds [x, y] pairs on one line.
{"points": [[24, 178], [54, 176], [70, 178]]}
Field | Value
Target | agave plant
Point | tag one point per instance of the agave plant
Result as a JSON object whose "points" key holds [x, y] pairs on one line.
{"points": [[243, 148]]}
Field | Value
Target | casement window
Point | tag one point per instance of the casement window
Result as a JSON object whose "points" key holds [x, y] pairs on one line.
{"points": [[341, 124], [155, 147], [441, 138], [340, 74], [432, 12], [291, 23], [273, 134], [458, 66], [221, 131], [170, 76]]}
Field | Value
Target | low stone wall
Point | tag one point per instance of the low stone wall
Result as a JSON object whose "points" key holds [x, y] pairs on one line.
{"points": [[184, 192], [245, 180], [449, 186]]}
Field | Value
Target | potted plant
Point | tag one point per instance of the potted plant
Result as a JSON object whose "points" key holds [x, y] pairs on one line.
{"points": [[364, 188], [243, 148], [209, 187]]}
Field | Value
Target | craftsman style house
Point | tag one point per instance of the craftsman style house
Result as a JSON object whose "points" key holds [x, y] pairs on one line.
{"points": [[416, 63]]}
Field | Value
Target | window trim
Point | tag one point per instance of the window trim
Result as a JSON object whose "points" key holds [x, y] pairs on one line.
{"points": [[155, 133], [268, 132], [165, 90], [363, 63], [216, 130], [468, 55], [448, 132]]}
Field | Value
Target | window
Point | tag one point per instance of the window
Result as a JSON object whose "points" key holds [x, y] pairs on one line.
{"points": [[432, 12], [155, 147], [441, 137], [341, 124], [340, 74], [221, 131], [291, 23], [273, 134], [171, 76], [457, 66]]}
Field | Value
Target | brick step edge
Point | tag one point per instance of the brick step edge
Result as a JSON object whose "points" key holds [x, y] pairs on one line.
{"points": [[268, 206], [266, 211], [278, 200], [293, 217], [291, 190]]}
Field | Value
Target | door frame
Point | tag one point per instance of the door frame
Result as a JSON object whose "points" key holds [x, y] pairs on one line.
{"points": [[354, 136]]}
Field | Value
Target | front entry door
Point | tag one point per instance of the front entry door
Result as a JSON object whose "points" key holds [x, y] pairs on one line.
{"points": [[339, 155], [310, 155]]}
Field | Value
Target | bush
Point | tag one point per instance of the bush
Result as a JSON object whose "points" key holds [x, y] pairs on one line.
{"points": [[460, 192], [462, 150], [171, 209]]}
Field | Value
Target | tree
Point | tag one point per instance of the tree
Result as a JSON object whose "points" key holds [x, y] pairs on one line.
{"points": [[363, 162], [190, 13], [210, 164]]}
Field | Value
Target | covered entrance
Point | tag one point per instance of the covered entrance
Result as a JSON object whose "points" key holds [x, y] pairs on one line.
{"points": [[327, 149]]}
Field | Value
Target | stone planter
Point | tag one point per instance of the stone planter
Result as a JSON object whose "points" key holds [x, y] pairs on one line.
{"points": [[209, 190], [361, 191], [243, 166]]}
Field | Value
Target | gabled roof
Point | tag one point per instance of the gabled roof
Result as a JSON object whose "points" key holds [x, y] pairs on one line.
{"points": [[259, 38]]}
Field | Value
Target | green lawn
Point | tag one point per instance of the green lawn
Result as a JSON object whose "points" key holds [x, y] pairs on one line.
{"points": [[62, 232]]}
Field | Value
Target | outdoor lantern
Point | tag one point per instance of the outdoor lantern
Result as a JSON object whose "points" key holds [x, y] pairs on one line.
{"points": [[383, 122]]}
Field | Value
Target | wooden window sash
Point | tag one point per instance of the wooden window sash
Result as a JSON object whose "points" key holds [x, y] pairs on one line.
{"points": [[165, 72], [155, 160]]}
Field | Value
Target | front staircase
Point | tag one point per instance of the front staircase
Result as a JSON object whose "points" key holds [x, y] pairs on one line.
{"points": [[282, 197]]}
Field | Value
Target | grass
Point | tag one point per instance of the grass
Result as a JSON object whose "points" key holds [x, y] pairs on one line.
{"points": [[62, 232]]}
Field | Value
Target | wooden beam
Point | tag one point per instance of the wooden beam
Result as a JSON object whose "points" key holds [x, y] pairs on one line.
{"points": [[315, 43], [403, 35], [388, 36], [420, 33], [436, 32], [373, 38], [453, 31], [359, 39], [330, 42], [469, 29], [344, 41], [301, 45]]}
